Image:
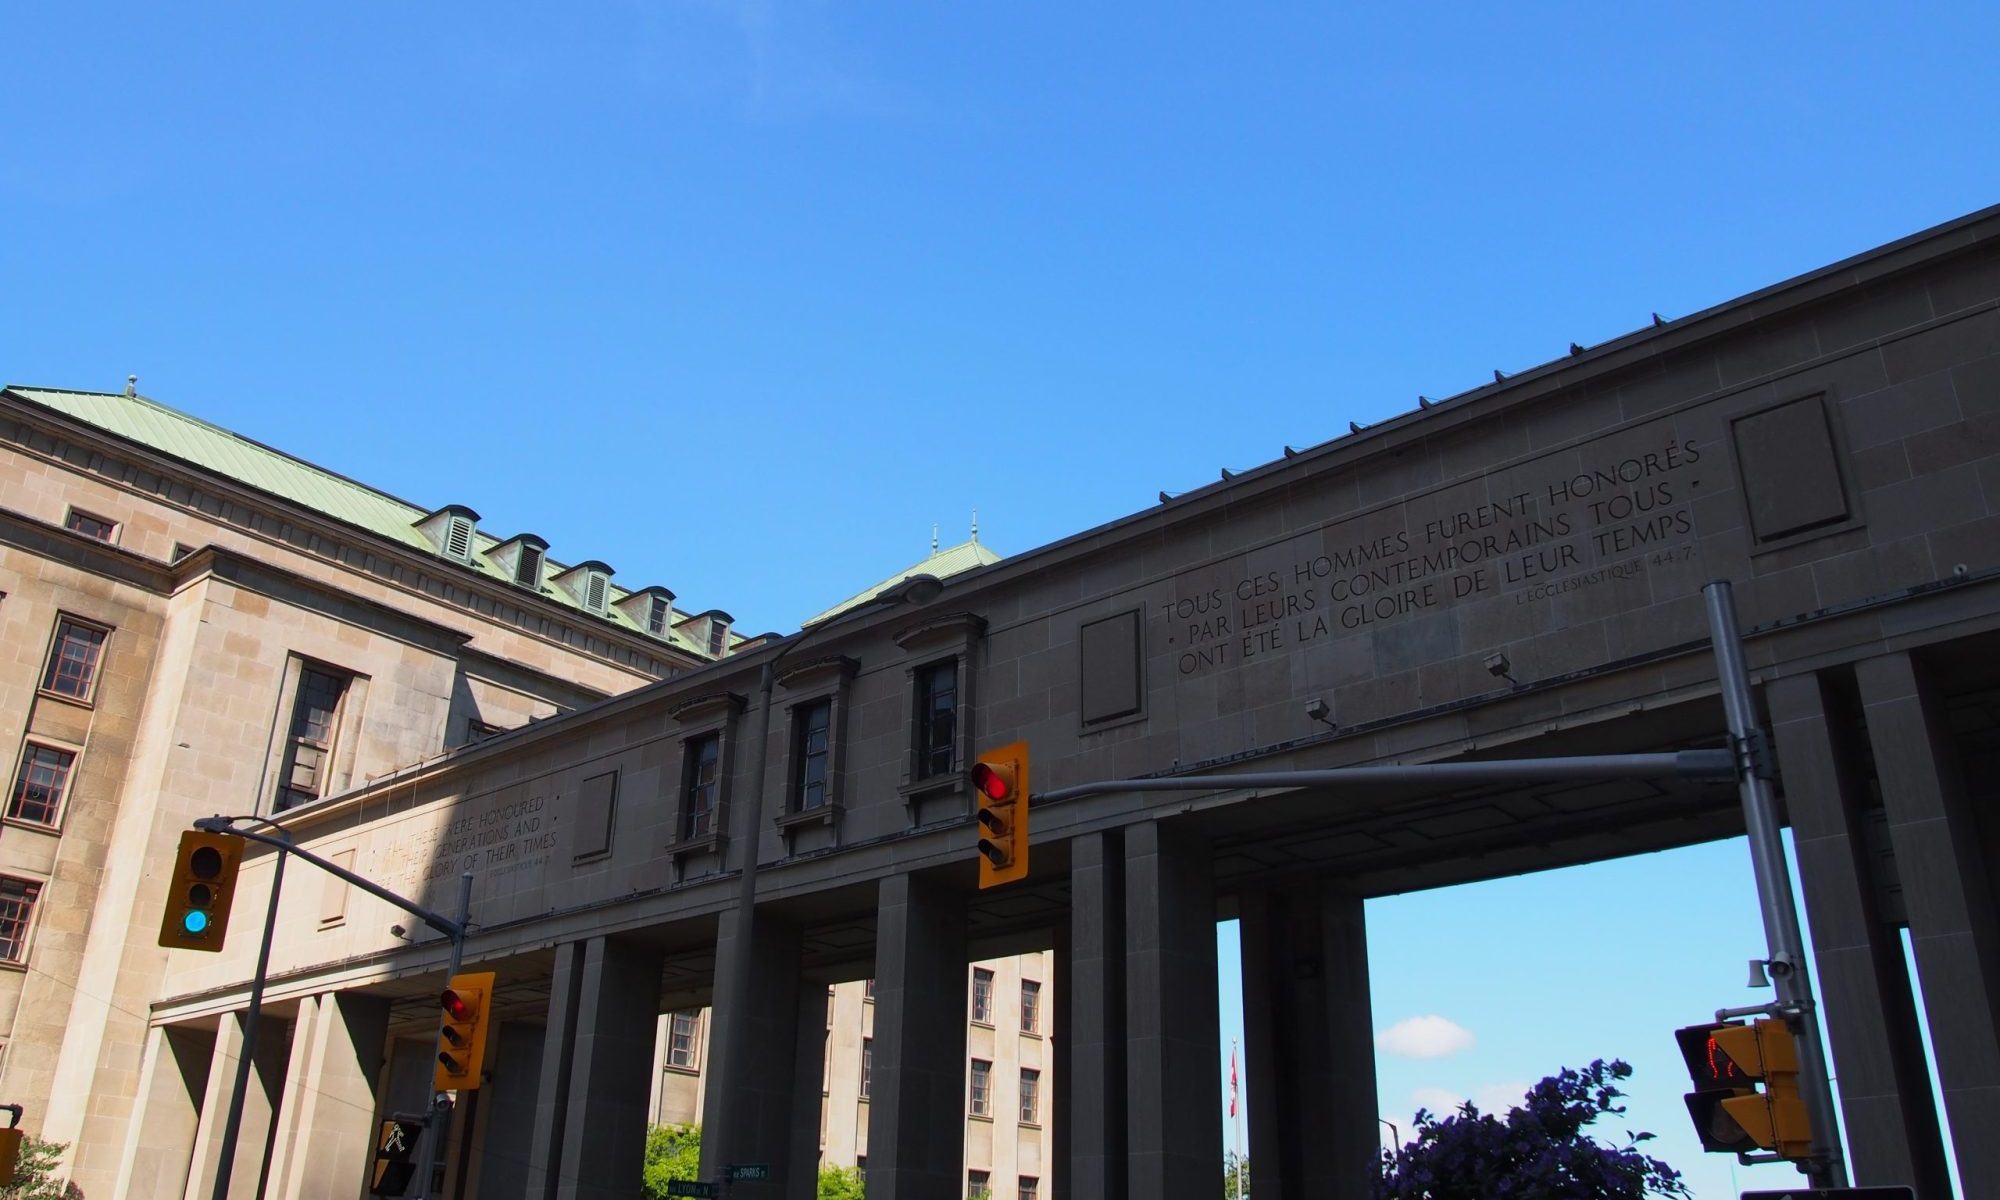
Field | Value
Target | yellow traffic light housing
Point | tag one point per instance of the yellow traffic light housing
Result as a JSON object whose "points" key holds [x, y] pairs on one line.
{"points": [[201, 889], [467, 1003], [1727, 1062], [1000, 795]]}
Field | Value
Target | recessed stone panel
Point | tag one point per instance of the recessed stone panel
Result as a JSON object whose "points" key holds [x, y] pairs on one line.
{"points": [[596, 814], [1790, 469], [1111, 677]]}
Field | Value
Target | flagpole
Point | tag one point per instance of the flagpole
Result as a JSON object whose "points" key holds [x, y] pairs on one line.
{"points": [[1236, 1114]]}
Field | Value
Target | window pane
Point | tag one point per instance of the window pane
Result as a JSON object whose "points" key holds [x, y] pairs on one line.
{"points": [[17, 908], [89, 526], [1031, 1094], [38, 789], [867, 1065], [937, 718], [982, 1087], [73, 661], [811, 749], [982, 995], [681, 1040], [1031, 1006], [698, 806], [976, 1185]]}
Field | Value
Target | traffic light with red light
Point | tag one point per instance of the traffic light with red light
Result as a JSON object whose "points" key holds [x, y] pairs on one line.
{"points": [[1727, 1061], [467, 1003], [1000, 798], [200, 891]]}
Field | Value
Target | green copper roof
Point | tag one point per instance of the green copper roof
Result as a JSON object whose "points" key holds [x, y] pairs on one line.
{"points": [[942, 563], [233, 456]]}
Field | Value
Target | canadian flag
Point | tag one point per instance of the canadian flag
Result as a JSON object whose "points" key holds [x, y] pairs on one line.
{"points": [[1232, 1080]]}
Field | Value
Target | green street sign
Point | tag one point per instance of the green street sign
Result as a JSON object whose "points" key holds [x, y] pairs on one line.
{"points": [[688, 1187], [746, 1171]]}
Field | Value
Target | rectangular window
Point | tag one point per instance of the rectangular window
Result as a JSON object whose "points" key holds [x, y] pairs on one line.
{"points": [[181, 551], [17, 913], [681, 1038], [97, 527], [1030, 1188], [1031, 1096], [809, 750], [867, 1065], [982, 1088], [73, 659], [937, 718], [699, 784], [977, 1185], [309, 745], [656, 616], [718, 637], [528, 567], [39, 788], [982, 996], [868, 990], [1031, 1006]]}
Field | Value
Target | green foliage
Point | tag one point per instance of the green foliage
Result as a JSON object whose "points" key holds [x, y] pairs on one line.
{"points": [[841, 1183], [35, 1173], [673, 1153], [1230, 1161], [1541, 1150]]}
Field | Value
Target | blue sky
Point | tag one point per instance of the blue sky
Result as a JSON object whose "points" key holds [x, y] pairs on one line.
{"points": [[745, 297]]}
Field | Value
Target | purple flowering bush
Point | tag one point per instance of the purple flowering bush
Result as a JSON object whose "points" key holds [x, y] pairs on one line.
{"points": [[1539, 1151]]}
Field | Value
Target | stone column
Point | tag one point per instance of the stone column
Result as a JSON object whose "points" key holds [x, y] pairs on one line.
{"points": [[1091, 1003], [1864, 987], [597, 1057], [757, 1096], [916, 1119], [1173, 1110], [1309, 1037], [1061, 1097], [1948, 891], [173, 1079], [807, 1084], [260, 1107], [327, 1123], [508, 1101]]}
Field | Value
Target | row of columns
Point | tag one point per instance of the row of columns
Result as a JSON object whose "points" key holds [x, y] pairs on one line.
{"points": [[1938, 860], [1137, 1106]]}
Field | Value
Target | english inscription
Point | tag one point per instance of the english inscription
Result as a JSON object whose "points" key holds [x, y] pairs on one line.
{"points": [[1568, 534]]}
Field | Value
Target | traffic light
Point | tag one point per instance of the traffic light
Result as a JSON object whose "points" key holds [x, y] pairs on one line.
{"points": [[1727, 1061], [467, 1002], [202, 888], [1000, 789]]}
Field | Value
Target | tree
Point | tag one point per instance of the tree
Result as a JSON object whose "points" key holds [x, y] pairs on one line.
{"points": [[841, 1183], [673, 1153], [1230, 1161], [35, 1173], [1539, 1151]]}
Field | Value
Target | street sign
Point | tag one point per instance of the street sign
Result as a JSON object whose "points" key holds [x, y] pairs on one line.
{"points": [[688, 1187], [746, 1171], [1804, 1193]]}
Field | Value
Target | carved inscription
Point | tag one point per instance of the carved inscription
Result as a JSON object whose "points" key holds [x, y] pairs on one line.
{"points": [[498, 840], [1570, 533]]}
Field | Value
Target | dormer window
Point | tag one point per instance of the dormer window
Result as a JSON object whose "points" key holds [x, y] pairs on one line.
{"points": [[458, 537], [528, 567], [596, 585], [658, 612], [718, 637]]}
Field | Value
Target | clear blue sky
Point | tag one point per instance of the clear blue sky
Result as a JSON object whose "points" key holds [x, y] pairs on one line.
{"points": [[737, 296]]}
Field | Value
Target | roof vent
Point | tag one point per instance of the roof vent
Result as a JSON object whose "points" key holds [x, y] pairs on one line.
{"points": [[451, 530], [131, 385], [458, 537], [528, 568], [589, 582], [594, 587]]}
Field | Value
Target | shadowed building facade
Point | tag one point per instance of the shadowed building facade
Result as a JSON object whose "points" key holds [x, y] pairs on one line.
{"points": [[1514, 571]]}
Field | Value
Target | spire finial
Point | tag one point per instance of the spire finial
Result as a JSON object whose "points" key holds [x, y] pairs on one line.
{"points": [[131, 385], [933, 537], [975, 526]]}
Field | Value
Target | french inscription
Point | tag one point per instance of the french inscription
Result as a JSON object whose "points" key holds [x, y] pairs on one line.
{"points": [[1568, 534]]}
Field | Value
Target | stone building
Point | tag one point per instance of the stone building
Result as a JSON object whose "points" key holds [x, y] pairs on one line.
{"points": [[198, 623], [1515, 571]]}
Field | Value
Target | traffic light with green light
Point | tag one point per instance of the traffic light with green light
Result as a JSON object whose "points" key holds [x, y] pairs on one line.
{"points": [[1728, 1061], [1000, 794], [467, 1003], [200, 891]]}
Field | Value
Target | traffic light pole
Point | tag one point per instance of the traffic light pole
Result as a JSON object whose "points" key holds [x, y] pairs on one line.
{"points": [[246, 1056], [453, 929], [1790, 976]]}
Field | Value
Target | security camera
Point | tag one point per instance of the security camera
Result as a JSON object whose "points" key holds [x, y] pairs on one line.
{"points": [[397, 931], [1318, 709], [1497, 664]]}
